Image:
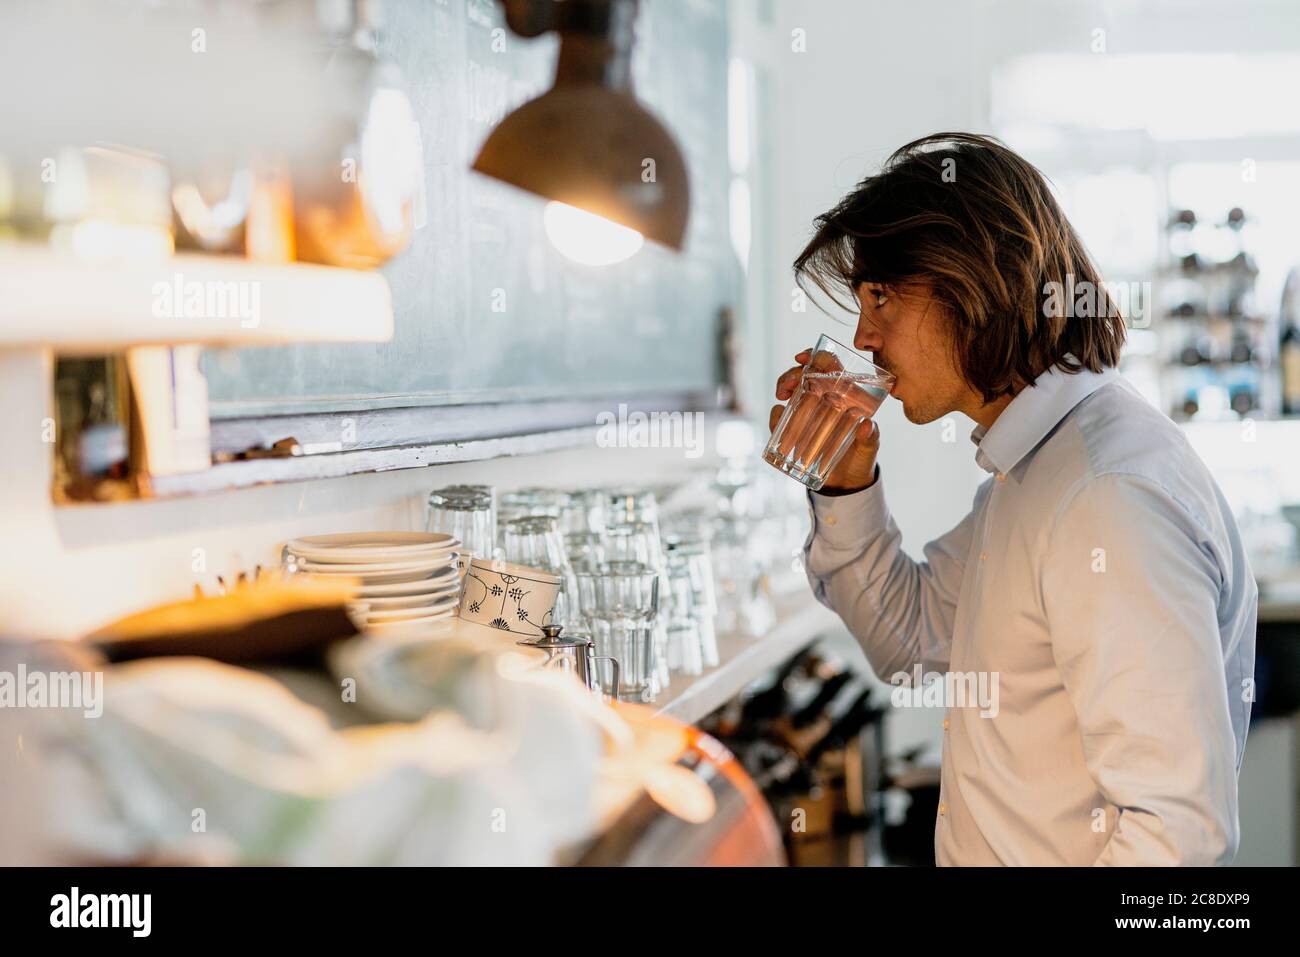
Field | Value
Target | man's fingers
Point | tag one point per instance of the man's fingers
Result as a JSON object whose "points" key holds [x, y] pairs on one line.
{"points": [[774, 417], [826, 362], [869, 435], [788, 382]]}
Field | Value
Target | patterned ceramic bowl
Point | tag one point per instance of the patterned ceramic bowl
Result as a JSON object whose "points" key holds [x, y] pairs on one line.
{"points": [[513, 598]]}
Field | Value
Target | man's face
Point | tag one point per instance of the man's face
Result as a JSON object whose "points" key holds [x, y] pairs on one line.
{"points": [[907, 330]]}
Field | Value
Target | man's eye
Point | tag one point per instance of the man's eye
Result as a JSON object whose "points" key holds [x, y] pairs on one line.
{"points": [[879, 296]]}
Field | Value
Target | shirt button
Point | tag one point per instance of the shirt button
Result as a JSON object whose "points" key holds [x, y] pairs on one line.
{"points": [[945, 724], [943, 809], [1002, 476], [831, 519], [983, 555]]}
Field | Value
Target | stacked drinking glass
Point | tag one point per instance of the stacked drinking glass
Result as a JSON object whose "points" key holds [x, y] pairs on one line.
{"points": [[467, 512]]}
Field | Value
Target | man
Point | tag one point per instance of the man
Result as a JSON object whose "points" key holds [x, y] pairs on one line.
{"points": [[1099, 578]]}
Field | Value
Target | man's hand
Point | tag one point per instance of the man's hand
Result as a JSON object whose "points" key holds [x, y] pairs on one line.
{"points": [[857, 470]]}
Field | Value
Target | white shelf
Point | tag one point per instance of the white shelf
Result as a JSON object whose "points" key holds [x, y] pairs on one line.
{"points": [[801, 619], [50, 300]]}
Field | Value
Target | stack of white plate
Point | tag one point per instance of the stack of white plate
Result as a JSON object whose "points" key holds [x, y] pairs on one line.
{"points": [[407, 579]]}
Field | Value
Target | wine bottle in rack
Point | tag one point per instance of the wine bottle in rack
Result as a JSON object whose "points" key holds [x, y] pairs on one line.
{"points": [[1289, 363], [1288, 350]]}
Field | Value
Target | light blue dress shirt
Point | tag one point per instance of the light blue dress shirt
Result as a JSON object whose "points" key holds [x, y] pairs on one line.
{"points": [[1099, 587]]}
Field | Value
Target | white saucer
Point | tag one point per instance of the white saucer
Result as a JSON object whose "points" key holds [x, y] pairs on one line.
{"points": [[373, 568], [382, 547], [422, 573], [427, 589], [380, 617], [426, 600], [430, 587], [408, 624]]}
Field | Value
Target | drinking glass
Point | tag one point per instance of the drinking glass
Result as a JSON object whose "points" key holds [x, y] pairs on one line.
{"points": [[733, 484], [484, 491], [687, 522], [584, 549], [689, 556], [584, 512], [523, 502], [685, 652], [839, 390], [621, 602], [631, 505], [534, 501], [535, 541], [466, 513], [587, 603], [634, 542], [744, 605], [638, 541]]}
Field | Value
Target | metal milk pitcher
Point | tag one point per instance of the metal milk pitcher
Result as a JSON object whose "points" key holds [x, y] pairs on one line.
{"points": [[576, 655]]}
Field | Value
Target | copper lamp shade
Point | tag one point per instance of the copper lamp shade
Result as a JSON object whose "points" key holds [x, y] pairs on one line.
{"points": [[587, 141]]}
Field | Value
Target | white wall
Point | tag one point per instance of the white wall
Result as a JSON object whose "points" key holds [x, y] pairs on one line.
{"points": [[874, 76]]}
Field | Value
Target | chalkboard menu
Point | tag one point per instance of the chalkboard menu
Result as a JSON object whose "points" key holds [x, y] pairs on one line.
{"points": [[486, 310]]}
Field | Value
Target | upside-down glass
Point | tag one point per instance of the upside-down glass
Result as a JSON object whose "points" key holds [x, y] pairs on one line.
{"points": [[688, 556], [523, 502], [584, 549], [839, 390], [535, 541], [634, 542], [639, 541], [684, 644], [485, 491], [744, 604], [620, 600], [466, 513], [533, 501], [584, 512], [624, 505]]}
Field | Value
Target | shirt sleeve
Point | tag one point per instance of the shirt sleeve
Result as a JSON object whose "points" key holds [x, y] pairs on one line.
{"points": [[1130, 586], [901, 611]]}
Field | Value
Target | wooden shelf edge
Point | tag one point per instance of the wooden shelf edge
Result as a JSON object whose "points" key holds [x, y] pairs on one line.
{"points": [[305, 468]]}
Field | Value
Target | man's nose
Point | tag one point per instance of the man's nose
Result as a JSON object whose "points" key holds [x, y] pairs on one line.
{"points": [[867, 338]]}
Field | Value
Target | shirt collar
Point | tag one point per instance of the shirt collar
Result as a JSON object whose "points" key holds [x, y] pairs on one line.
{"points": [[1032, 414]]}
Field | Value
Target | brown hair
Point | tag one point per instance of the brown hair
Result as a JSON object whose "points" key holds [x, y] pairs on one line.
{"points": [[965, 214]]}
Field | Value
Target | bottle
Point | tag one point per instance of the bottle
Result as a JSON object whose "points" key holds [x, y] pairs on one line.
{"points": [[1288, 352], [1242, 398], [1289, 362], [1241, 350], [1197, 350], [92, 399]]}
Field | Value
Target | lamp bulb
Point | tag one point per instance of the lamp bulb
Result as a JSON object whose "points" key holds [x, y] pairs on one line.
{"points": [[588, 238]]}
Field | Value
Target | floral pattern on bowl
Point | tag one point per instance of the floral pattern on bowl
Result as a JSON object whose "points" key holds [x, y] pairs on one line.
{"points": [[509, 597]]}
